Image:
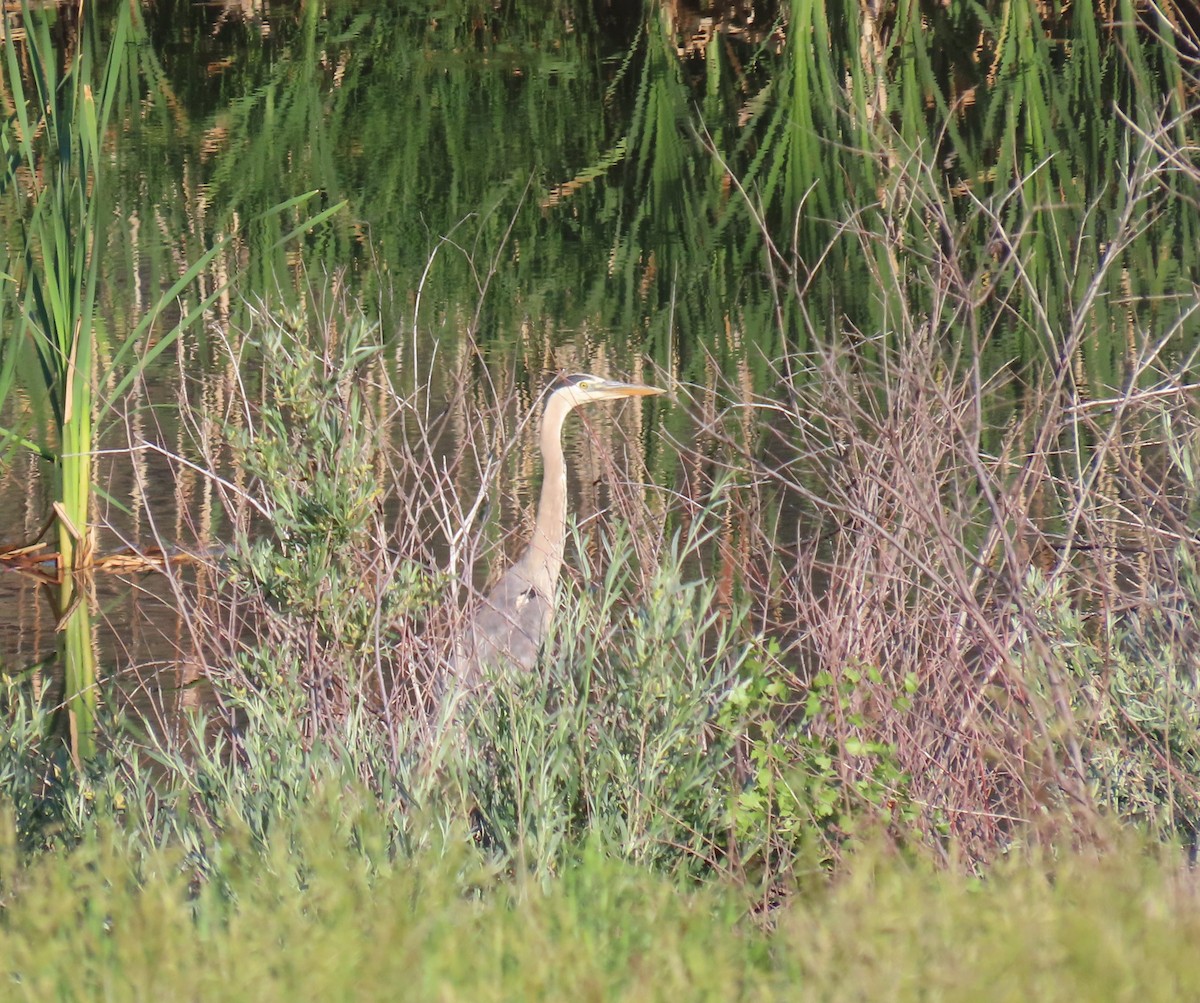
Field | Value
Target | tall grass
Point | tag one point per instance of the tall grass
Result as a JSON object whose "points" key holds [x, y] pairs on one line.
{"points": [[56, 193], [59, 200], [1021, 106], [887, 599], [52, 150]]}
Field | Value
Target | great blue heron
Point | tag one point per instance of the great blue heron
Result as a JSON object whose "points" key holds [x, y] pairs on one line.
{"points": [[509, 624]]}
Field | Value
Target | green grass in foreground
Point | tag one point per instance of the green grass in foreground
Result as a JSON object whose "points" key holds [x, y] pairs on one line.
{"points": [[324, 912]]}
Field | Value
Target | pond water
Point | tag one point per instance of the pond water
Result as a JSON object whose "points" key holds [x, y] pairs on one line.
{"points": [[532, 189]]}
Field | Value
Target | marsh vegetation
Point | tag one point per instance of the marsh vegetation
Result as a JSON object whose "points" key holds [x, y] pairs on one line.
{"points": [[876, 665]]}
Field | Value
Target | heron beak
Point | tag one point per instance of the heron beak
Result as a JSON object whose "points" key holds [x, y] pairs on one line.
{"points": [[635, 389]]}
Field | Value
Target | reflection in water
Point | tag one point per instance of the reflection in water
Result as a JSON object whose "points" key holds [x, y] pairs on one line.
{"points": [[94, 638], [77, 655]]}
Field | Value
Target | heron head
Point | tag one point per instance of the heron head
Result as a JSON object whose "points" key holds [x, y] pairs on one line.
{"points": [[583, 388]]}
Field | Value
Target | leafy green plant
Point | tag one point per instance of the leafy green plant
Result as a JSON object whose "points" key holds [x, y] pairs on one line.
{"points": [[1135, 697], [320, 575], [312, 450], [806, 794]]}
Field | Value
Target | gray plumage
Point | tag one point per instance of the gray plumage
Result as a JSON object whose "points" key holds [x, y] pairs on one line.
{"points": [[509, 623]]}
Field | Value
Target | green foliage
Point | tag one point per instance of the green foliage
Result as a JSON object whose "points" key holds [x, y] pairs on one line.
{"points": [[1064, 927], [323, 909], [51, 804], [1145, 752], [1135, 684], [1136, 693], [806, 795], [661, 736], [313, 454], [51, 150], [61, 200], [33, 783], [659, 741], [191, 788]]}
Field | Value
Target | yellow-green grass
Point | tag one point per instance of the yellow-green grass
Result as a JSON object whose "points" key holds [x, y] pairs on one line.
{"points": [[309, 917]]}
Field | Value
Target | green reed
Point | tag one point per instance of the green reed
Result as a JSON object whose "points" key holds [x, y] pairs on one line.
{"points": [[59, 207], [52, 147], [58, 195]]}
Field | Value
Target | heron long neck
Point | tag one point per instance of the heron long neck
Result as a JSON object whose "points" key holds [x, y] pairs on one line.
{"points": [[545, 553]]}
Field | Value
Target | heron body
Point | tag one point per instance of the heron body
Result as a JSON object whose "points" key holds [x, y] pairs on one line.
{"points": [[510, 622]]}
